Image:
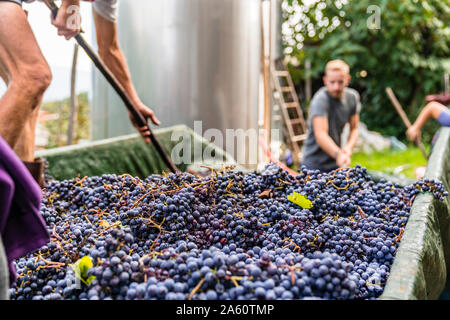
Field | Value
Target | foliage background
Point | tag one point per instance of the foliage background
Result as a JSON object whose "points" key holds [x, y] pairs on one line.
{"points": [[409, 52], [58, 128]]}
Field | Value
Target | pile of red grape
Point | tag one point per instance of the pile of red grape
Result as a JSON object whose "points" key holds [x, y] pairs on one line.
{"points": [[229, 235]]}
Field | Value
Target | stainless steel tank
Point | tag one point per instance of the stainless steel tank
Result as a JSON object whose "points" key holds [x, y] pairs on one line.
{"points": [[190, 60]]}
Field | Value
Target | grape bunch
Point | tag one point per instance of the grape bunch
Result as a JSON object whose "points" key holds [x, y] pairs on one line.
{"points": [[229, 235]]}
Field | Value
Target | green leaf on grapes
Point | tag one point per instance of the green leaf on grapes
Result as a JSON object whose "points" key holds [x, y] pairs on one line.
{"points": [[300, 200], [81, 269], [89, 280]]}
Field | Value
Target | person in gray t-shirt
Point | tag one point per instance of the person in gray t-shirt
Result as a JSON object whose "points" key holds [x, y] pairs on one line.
{"points": [[332, 107]]}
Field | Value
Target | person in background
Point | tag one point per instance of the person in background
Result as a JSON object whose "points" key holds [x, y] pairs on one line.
{"points": [[434, 110], [332, 107], [27, 74]]}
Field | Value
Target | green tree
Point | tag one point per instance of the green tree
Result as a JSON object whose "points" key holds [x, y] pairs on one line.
{"points": [[408, 51]]}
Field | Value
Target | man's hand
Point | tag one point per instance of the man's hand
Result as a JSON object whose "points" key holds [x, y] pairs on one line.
{"points": [[147, 113], [442, 98], [348, 150], [413, 133], [68, 19], [111, 54], [343, 159]]}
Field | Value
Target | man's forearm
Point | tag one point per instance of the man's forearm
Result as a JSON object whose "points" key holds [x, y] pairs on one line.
{"points": [[110, 52], [423, 117], [70, 2], [115, 61], [328, 145], [353, 138], [432, 110], [67, 3]]}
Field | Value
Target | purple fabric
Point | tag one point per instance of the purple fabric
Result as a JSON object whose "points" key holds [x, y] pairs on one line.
{"points": [[444, 118], [22, 227]]}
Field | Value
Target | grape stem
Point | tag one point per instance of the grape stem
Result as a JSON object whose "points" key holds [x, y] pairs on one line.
{"points": [[361, 212], [196, 289]]}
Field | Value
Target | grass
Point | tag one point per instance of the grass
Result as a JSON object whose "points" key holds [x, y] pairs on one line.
{"points": [[388, 160]]}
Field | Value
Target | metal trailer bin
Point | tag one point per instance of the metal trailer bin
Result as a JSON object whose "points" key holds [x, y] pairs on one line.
{"points": [[421, 263], [130, 155]]}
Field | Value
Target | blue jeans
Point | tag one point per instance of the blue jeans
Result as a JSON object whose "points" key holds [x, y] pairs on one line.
{"points": [[444, 118]]}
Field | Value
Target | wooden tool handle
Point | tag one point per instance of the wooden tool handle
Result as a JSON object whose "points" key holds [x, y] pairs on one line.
{"points": [[405, 119], [137, 116]]}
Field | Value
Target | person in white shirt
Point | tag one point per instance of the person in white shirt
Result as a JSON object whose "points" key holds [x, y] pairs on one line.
{"points": [[27, 74]]}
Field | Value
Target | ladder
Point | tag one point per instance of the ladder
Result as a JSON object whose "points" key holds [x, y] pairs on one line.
{"points": [[291, 112]]}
